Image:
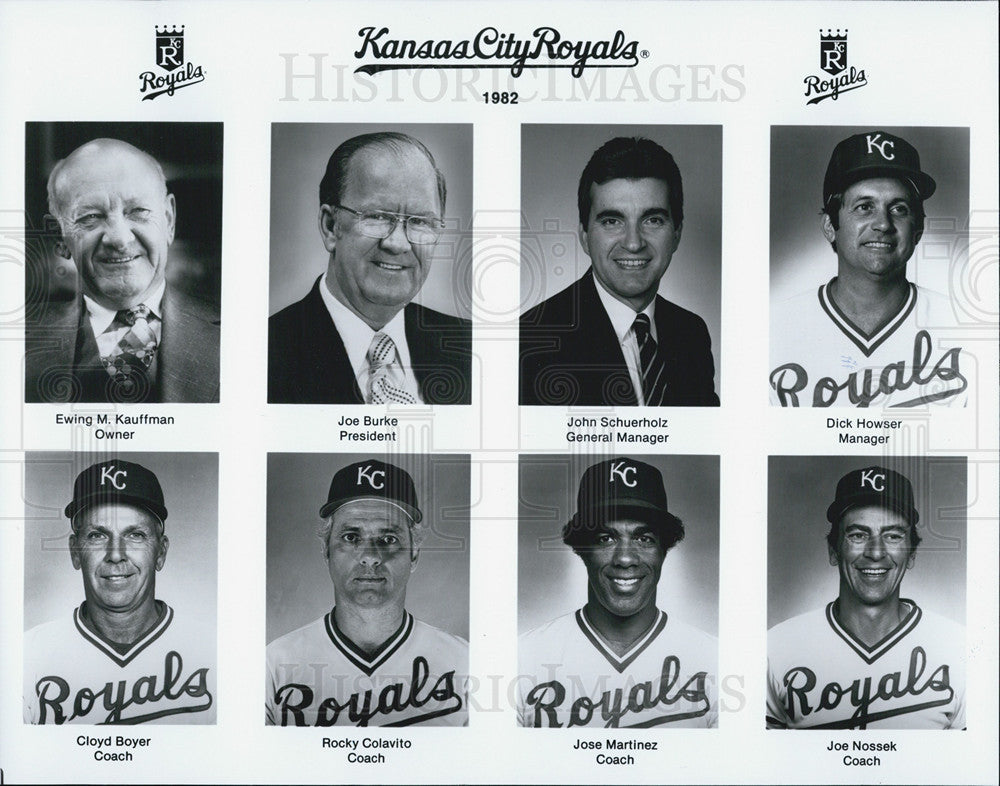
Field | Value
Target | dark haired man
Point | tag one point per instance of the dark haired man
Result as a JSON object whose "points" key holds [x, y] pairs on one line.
{"points": [[619, 662], [870, 659], [357, 338], [609, 338], [864, 338]]}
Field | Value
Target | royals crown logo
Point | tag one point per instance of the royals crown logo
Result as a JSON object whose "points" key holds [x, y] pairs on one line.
{"points": [[169, 47], [833, 51]]}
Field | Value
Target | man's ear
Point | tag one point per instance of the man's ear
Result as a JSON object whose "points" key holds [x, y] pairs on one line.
{"points": [[74, 554], [828, 231], [834, 559], [328, 227], [171, 216], [161, 554], [911, 558], [414, 556], [584, 241]]}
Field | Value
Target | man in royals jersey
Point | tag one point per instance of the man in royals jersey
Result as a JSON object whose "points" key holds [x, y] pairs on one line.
{"points": [[121, 657], [869, 337], [870, 659], [620, 661], [368, 662]]}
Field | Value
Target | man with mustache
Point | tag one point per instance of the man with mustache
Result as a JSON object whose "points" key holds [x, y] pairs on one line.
{"points": [[128, 336], [121, 657], [368, 661]]}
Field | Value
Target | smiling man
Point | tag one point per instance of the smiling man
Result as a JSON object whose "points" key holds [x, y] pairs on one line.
{"points": [[871, 659], [357, 338], [620, 661], [121, 657], [609, 338], [128, 336], [368, 662], [869, 337]]}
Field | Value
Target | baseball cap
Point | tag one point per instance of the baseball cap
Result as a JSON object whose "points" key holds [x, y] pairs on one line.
{"points": [[117, 481], [618, 488], [875, 154], [372, 479], [873, 486]]}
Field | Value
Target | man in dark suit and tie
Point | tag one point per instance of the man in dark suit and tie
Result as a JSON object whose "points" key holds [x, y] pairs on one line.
{"points": [[127, 336], [357, 338], [609, 338]]}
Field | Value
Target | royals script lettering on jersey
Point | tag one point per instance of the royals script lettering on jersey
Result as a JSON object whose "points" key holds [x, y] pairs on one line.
{"points": [[316, 676], [569, 677], [820, 359], [821, 677], [73, 675]]}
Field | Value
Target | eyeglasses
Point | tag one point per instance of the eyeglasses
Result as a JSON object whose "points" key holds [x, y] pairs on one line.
{"points": [[379, 224]]}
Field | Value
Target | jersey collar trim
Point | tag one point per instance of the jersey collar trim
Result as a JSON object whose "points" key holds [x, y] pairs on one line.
{"points": [[105, 646], [623, 662], [368, 663], [863, 341], [877, 650]]}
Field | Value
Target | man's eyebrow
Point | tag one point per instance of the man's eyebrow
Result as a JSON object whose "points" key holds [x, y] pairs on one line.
{"points": [[610, 213], [656, 211]]}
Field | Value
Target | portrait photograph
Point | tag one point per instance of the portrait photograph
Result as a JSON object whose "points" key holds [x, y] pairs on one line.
{"points": [[370, 273], [620, 221], [618, 581], [866, 581], [141, 531], [124, 261], [367, 588], [868, 247]]}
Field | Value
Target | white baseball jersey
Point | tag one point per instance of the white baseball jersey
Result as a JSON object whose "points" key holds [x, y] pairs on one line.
{"points": [[568, 676], [316, 676], [820, 359], [821, 677], [73, 675]]}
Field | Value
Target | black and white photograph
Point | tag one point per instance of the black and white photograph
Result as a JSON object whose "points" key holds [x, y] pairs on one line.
{"points": [[120, 571], [124, 262], [866, 569], [868, 228], [621, 264], [618, 591], [367, 590], [370, 289]]}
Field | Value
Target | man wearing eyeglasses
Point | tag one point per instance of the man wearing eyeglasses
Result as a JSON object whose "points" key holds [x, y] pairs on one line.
{"points": [[609, 338], [357, 338]]}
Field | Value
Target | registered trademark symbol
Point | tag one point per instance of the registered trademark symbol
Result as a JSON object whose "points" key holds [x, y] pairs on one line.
{"points": [[644, 54]]}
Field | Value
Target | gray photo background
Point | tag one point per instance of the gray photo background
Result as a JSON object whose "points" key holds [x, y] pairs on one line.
{"points": [[552, 580], [299, 152], [800, 488], [552, 159], [299, 589], [802, 259], [188, 580]]}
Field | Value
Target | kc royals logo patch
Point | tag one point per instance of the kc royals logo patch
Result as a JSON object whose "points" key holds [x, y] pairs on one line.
{"points": [[833, 61], [173, 71]]}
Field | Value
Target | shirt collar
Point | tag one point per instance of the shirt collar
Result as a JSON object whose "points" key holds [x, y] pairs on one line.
{"points": [[356, 333], [102, 317], [621, 315]]}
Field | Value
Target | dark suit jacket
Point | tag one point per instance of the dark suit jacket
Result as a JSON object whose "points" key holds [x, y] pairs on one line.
{"points": [[570, 354], [62, 363], [308, 363]]}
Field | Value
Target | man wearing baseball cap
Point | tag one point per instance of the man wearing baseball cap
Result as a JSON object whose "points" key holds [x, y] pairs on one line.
{"points": [[122, 657], [870, 658], [869, 337], [620, 661], [368, 661]]}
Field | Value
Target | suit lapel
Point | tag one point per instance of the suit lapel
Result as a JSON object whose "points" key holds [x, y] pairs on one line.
{"points": [[187, 367], [327, 366]]}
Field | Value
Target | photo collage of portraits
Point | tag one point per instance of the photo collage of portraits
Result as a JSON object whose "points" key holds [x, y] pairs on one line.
{"points": [[690, 426]]}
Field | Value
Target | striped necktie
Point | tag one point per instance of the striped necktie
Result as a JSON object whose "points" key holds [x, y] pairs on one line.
{"points": [[386, 384], [654, 380]]}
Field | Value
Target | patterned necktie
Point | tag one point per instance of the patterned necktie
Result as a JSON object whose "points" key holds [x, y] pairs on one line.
{"points": [[654, 380], [386, 382], [135, 351]]}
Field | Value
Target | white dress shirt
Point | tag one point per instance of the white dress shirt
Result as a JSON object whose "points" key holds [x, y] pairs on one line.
{"points": [[109, 334], [622, 317], [357, 337]]}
